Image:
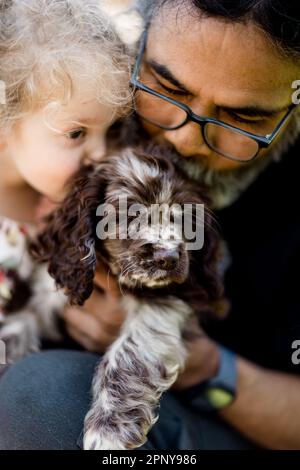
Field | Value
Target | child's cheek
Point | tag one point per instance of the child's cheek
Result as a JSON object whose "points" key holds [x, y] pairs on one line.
{"points": [[49, 173], [57, 176]]}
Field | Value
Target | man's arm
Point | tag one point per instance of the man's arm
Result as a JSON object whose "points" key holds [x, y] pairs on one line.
{"points": [[267, 406]]}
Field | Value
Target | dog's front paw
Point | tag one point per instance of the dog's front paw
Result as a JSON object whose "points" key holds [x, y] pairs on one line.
{"points": [[98, 439], [114, 431], [19, 339]]}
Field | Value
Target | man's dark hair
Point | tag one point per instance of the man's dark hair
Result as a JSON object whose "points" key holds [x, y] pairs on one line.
{"points": [[279, 19]]}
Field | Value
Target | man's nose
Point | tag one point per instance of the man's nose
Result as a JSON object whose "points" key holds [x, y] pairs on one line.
{"points": [[188, 141]]}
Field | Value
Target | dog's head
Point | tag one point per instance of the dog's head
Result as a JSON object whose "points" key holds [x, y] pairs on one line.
{"points": [[128, 212]]}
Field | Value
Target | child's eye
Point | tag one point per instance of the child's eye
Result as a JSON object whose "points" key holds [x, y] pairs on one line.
{"points": [[77, 134]]}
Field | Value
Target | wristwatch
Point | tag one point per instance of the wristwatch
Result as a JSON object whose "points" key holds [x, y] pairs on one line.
{"points": [[218, 392]]}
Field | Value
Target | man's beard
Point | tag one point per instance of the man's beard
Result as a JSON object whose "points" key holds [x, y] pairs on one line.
{"points": [[225, 187]]}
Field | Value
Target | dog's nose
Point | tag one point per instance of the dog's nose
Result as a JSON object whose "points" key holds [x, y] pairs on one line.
{"points": [[166, 259]]}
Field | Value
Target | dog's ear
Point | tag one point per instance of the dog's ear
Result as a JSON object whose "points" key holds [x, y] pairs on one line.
{"points": [[68, 240], [206, 279], [213, 255]]}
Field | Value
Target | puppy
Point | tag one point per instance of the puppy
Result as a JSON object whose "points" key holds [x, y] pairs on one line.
{"points": [[164, 283]]}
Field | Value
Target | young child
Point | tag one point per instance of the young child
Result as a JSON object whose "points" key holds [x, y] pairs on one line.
{"points": [[65, 74]]}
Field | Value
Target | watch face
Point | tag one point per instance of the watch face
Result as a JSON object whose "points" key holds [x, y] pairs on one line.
{"points": [[218, 397]]}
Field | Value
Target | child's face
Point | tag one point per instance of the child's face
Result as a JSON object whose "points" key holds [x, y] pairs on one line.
{"points": [[49, 145]]}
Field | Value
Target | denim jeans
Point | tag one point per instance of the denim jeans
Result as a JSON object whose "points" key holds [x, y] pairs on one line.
{"points": [[44, 399]]}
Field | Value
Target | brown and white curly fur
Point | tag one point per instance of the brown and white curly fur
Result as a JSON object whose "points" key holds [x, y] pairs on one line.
{"points": [[161, 293]]}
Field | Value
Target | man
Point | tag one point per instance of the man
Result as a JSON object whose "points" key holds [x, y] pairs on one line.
{"points": [[222, 78]]}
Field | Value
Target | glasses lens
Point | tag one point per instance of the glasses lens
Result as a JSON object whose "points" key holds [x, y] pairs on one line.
{"points": [[159, 112], [229, 143]]}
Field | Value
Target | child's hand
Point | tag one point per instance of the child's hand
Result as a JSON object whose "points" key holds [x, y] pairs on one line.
{"points": [[96, 325]]}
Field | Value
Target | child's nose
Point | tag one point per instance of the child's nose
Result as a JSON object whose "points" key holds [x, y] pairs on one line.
{"points": [[96, 151], [98, 154]]}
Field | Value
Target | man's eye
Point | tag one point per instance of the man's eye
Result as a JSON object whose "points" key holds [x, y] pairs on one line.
{"points": [[171, 91], [75, 135], [244, 120]]}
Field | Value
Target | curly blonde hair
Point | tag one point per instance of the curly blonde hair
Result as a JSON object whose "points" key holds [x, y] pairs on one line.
{"points": [[46, 44]]}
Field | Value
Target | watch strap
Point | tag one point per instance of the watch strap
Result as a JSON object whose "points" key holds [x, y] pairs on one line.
{"points": [[218, 392]]}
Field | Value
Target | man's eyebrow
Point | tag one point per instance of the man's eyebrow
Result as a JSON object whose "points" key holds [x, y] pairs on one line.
{"points": [[165, 73], [251, 111], [254, 111]]}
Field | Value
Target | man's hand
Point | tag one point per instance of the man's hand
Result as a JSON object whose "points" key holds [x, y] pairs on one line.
{"points": [[96, 325], [203, 360]]}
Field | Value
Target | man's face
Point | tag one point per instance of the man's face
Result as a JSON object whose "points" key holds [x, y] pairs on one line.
{"points": [[223, 70]]}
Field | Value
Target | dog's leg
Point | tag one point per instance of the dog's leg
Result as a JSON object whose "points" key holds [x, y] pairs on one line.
{"points": [[142, 364]]}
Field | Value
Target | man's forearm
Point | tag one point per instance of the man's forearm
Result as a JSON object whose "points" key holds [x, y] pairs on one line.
{"points": [[267, 407]]}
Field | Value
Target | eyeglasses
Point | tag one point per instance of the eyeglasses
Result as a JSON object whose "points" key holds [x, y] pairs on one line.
{"points": [[169, 114]]}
